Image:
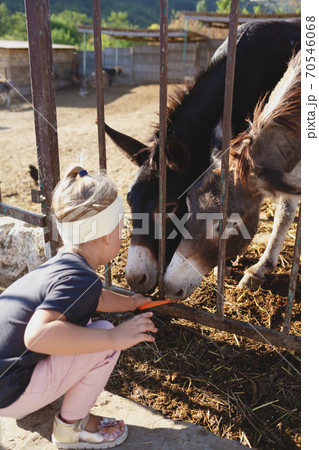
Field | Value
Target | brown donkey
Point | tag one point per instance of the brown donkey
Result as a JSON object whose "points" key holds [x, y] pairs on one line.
{"points": [[264, 160]]}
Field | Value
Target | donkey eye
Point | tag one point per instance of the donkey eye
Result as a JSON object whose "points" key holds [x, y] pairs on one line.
{"points": [[171, 208]]}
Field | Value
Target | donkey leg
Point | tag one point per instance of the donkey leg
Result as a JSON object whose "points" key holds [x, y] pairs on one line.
{"points": [[8, 99], [284, 216]]}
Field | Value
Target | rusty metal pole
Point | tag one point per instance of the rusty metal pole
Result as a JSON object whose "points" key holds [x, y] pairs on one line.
{"points": [[96, 12], [228, 105], [162, 143], [43, 99], [293, 278]]}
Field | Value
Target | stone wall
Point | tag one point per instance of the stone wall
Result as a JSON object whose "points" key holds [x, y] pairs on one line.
{"points": [[21, 249]]}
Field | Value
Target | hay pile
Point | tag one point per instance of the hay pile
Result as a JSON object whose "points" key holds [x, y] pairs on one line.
{"points": [[233, 386]]}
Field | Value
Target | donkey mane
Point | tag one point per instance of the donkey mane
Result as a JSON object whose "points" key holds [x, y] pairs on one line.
{"points": [[283, 109], [180, 95], [175, 99]]}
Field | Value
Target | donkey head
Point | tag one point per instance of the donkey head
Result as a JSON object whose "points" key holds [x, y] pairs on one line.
{"points": [[197, 252], [143, 199]]}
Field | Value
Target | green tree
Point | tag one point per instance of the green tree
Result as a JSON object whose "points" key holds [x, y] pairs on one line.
{"points": [[277, 6], [223, 6], [289, 6], [4, 19], [64, 27], [154, 26], [117, 20], [18, 26], [71, 18], [62, 34], [201, 6], [12, 26], [246, 6]]}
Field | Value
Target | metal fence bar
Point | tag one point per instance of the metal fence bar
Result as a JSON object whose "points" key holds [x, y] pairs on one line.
{"points": [[35, 219], [162, 143], [227, 116], [96, 13], [43, 99], [293, 278], [84, 54]]}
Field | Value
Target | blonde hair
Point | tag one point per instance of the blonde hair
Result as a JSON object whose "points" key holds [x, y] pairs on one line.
{"points": [[76, 197]]}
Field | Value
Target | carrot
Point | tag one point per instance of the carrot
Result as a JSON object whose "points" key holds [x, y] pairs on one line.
{"points": [[155, 303]]}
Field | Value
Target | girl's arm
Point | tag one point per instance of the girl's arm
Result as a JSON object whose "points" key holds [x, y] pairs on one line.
{"points": [[112, 302], [49, 332]]}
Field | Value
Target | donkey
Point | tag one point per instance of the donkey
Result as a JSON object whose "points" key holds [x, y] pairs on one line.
{"points": [[6, 93], [111, 72], [89, 83], [263, 51], [264, 159]]}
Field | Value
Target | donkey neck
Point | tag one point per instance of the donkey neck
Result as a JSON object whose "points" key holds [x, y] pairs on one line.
{"points": [[200, 110]]}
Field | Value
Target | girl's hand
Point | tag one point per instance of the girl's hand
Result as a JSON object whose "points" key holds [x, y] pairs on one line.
{"points": [[112, 302], [132, 332], [139, 300]]}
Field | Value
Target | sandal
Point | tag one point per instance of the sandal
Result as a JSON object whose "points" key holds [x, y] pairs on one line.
{"points": [[74, 436]]}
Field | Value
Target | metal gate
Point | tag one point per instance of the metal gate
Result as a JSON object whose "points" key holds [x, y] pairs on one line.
{"points": [[43, 99], [43, 95]]}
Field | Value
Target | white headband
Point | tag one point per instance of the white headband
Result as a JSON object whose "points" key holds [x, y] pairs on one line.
{"points": [[93, 227]]}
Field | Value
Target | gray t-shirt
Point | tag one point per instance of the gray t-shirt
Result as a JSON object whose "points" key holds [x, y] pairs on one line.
{"points": [[65, 283]]}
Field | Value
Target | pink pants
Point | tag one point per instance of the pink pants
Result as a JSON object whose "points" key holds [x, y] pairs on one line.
{"points": [[81, 378]]}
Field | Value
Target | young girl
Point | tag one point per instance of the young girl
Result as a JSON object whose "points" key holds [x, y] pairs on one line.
{"points": [[48, 345]]}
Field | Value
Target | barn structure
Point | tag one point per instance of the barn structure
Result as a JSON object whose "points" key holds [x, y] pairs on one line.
{"points": [[14, 64]]}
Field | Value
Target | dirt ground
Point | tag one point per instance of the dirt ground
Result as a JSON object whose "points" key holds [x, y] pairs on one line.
{"points": [[131, 110], [237, 388]]}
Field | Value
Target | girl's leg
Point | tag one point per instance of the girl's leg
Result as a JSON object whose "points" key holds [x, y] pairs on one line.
{"points": [[81, 396], [81, 378]]}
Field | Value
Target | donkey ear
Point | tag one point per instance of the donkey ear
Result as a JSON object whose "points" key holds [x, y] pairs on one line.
{"points": [[177, 155], [276, 182], [135, 150]]}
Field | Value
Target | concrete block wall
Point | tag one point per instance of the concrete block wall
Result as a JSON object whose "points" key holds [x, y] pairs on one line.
{"points": [[17, 68], [63, 61], [14, 63], [141, 63]]}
